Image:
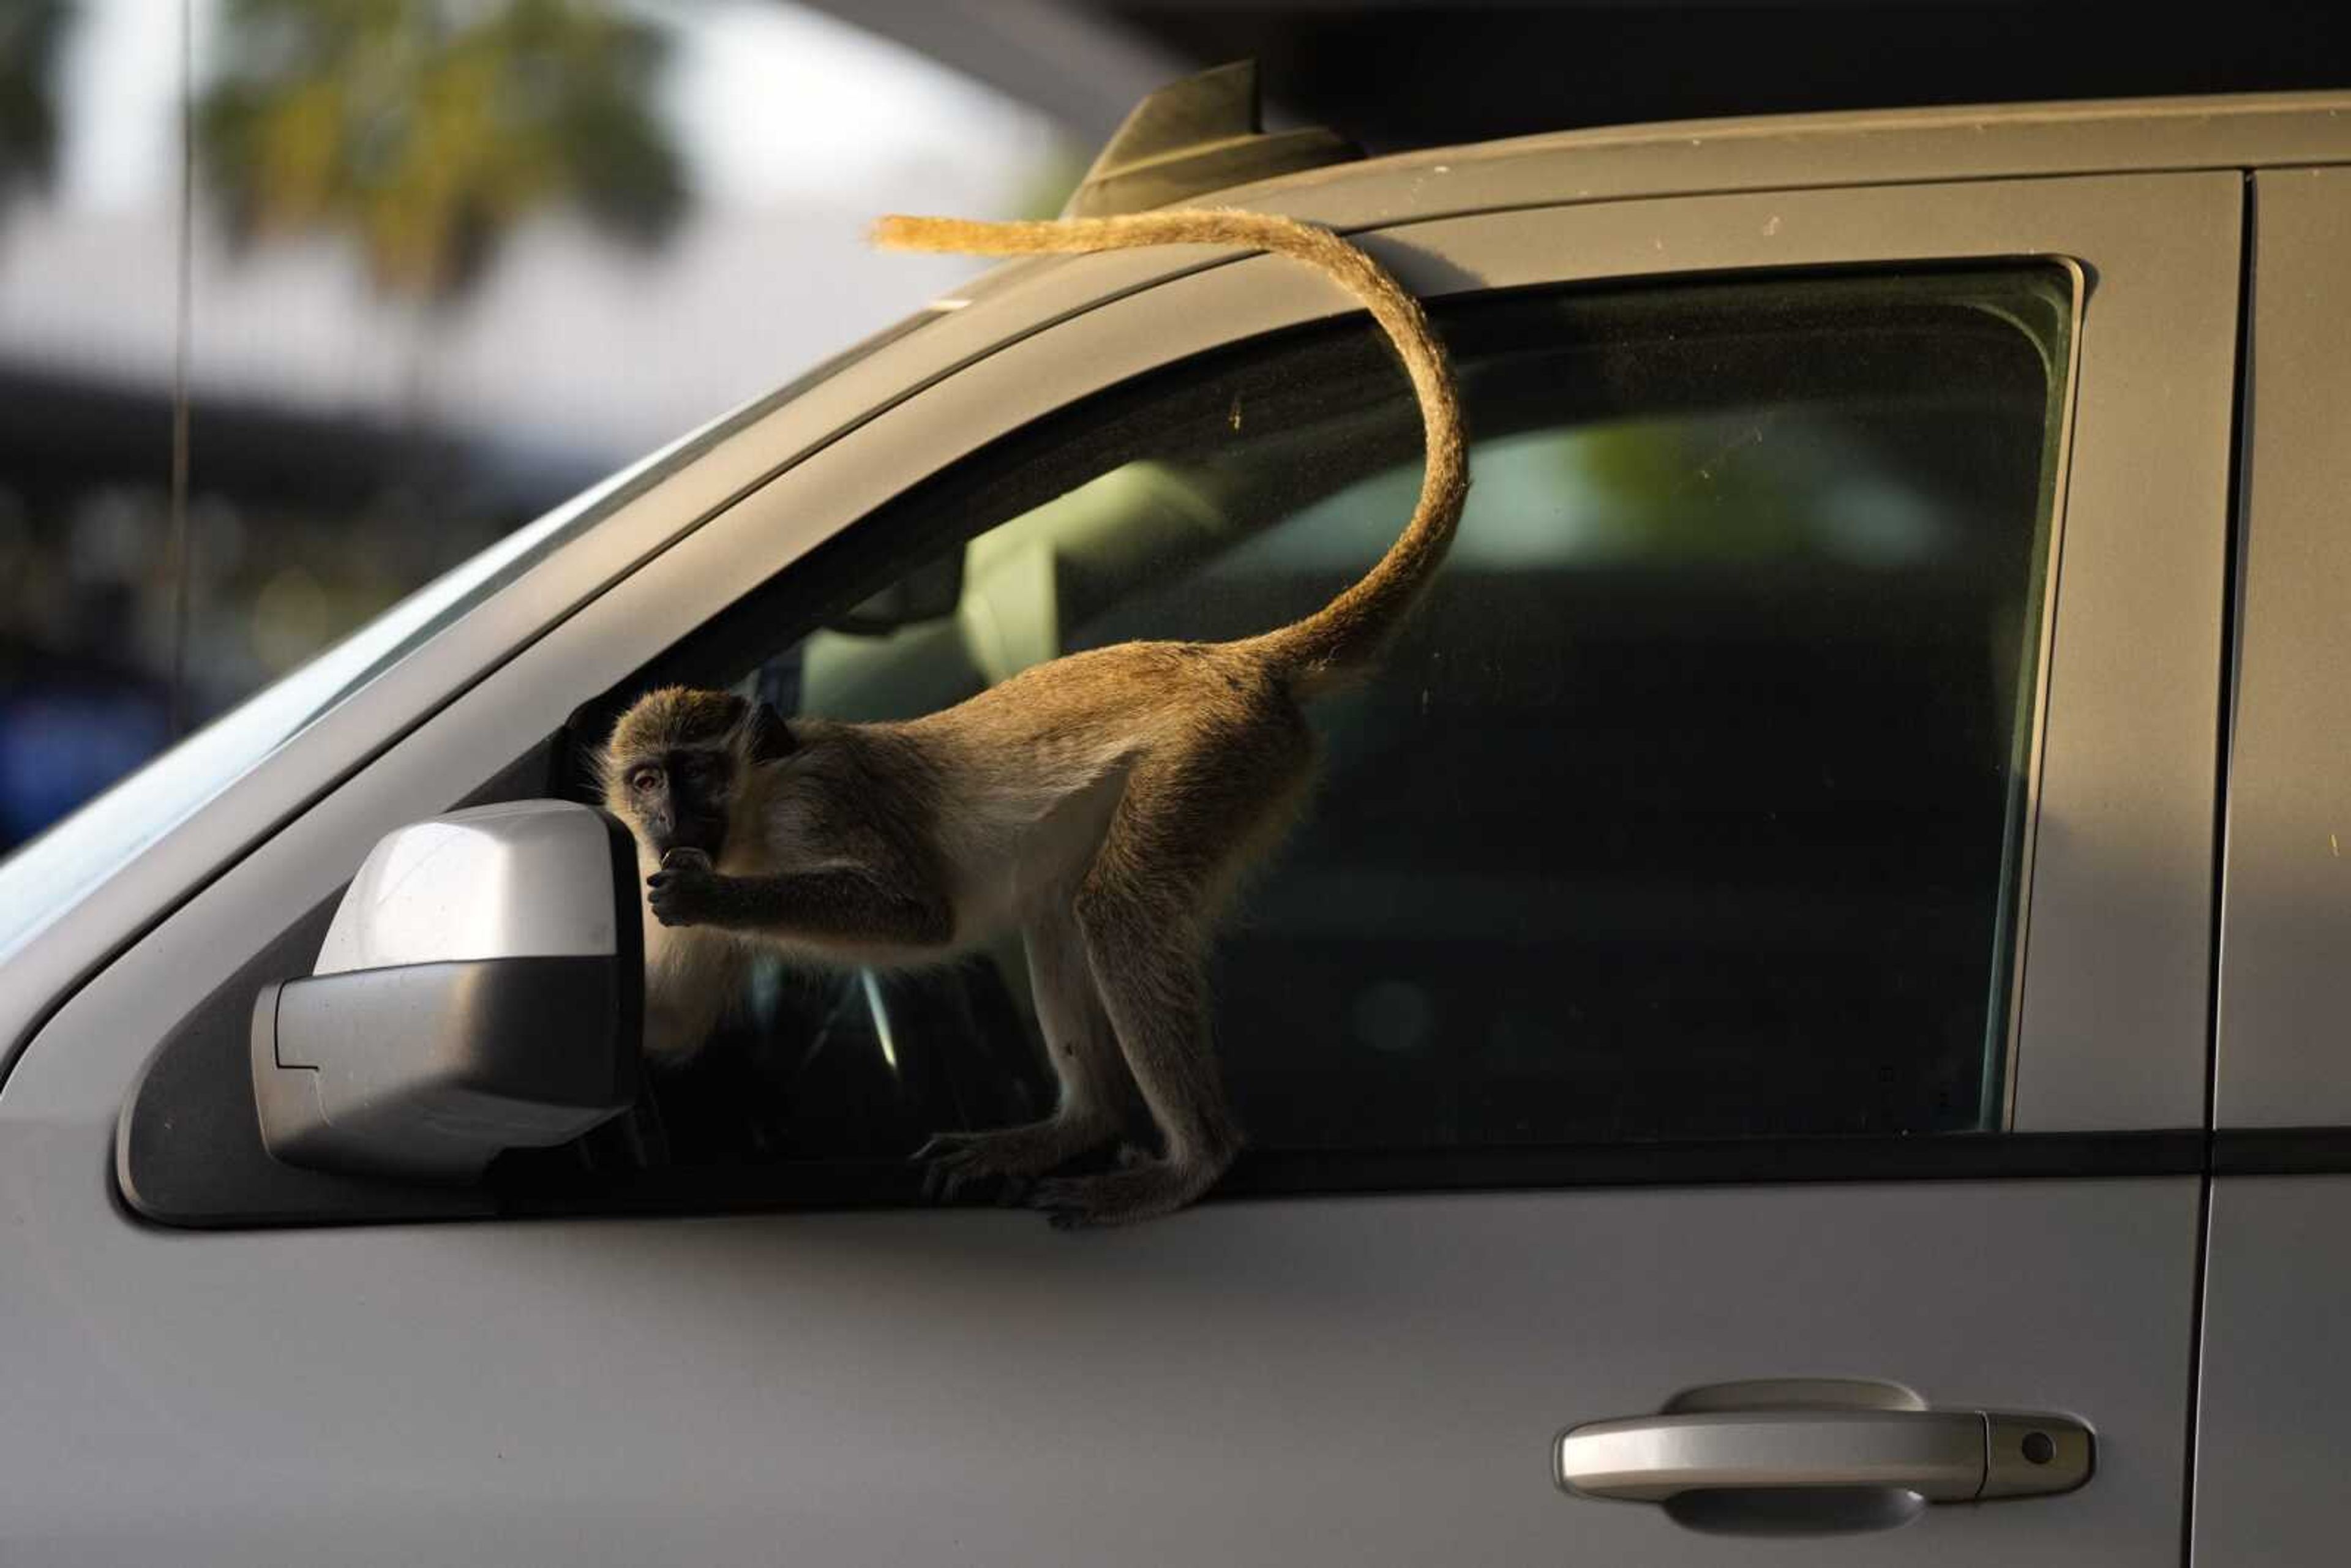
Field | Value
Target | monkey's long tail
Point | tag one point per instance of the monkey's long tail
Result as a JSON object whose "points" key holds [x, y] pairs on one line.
{"points": [[1346, 634]]}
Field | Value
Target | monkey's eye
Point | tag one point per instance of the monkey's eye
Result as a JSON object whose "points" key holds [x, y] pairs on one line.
{"points": [[642, 778], [700, 770]]}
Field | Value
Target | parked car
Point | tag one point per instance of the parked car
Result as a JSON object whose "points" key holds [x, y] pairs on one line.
{"points": [[1807, 999]]}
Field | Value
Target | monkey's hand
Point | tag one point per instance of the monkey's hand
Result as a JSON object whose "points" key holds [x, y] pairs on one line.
{"points": [[683, 892]]}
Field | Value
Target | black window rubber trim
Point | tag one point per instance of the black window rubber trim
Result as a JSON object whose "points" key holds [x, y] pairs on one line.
{"points": [[1940, 1156], [2281, 1151]]}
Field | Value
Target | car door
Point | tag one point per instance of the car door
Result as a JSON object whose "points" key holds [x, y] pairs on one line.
{"points": [[2274, 1371], [1897, 1120]]}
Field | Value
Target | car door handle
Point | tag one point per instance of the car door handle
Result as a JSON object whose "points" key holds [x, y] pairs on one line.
{"points": [[1941, 1456]]}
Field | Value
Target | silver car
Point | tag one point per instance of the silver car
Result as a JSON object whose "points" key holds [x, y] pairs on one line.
{"points": [[1803, 1023]]}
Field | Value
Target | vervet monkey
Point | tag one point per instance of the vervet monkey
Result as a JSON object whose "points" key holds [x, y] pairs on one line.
{"points": [[1101, 804]]}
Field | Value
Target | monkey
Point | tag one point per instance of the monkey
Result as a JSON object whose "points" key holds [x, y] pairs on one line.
{"points": [[1103, 805]]}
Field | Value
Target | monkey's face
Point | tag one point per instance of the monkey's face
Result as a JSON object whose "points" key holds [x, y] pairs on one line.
{"points": [[680, 797], [677, 761]]}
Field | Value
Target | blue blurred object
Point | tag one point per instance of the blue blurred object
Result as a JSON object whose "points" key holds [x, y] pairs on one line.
{"points": [[59, 745]]}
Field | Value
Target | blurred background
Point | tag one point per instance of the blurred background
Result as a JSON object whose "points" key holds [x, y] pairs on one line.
{"points": [[382, 279]]}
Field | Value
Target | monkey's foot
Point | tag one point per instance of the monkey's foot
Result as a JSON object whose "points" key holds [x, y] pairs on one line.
{"points": [[1139, 1189], [1012, 1155]]}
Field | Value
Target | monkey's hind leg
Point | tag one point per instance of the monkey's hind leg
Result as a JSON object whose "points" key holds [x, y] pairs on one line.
{"points": [[1145, 910], [1086, 1061], [1158, 1003]]}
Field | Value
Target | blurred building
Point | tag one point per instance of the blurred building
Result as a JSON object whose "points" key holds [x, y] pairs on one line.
{"points": [[382, 378]]}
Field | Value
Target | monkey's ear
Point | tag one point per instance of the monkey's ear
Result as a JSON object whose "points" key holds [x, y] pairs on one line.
{"points": [[770, 736]]}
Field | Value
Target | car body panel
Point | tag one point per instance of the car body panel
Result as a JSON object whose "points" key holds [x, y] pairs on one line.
{"points": [[2274, 1375], [2276, 1367], [1370, 1380], [2285, 940]]}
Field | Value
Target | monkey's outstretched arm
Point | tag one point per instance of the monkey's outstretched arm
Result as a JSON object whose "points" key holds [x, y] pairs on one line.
{"points": [[848, 907], [1343, 637]]}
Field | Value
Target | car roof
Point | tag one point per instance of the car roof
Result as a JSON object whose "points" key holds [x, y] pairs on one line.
{"points": [[1792, 152], [2128, 133]]}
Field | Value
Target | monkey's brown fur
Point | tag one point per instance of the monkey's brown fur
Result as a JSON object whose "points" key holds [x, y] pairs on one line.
{"points": [[1101, 804]]}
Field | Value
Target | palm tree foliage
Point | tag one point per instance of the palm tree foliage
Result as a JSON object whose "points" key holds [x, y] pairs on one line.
{"points": [[426, 129], [30, 33]]}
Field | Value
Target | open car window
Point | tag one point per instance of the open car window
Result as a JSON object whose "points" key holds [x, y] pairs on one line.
{"points": [[1690, 806]]}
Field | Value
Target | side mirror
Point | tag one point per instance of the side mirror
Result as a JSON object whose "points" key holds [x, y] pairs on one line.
{"points": [[481, 989]]}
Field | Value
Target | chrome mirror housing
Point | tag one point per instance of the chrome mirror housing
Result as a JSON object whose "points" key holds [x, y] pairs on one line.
{"points": [[481, 989]]}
